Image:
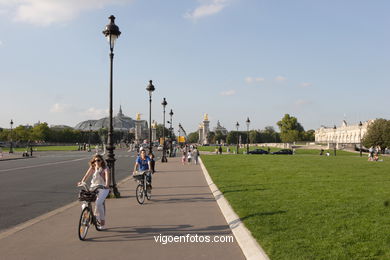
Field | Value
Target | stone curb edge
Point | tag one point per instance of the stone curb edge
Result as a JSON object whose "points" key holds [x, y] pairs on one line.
{"points": [[249, 246]]}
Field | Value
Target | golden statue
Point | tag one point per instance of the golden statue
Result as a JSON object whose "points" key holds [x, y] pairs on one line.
{"points": [[206, 117], [138, 116]]}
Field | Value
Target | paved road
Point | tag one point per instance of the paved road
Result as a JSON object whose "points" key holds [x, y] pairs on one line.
{"points": [[34, 186], [182, 206]]}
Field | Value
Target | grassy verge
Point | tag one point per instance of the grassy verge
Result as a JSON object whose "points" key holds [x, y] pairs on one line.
{"points": [[309, 207]]}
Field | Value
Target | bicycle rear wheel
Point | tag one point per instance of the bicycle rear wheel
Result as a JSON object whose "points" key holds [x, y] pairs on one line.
{"points": [[85, 222], [139, 192]]}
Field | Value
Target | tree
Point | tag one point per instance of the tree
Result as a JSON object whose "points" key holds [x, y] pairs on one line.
{"points": [[290, 129], [308, 135], [40, 132], [378, 134], [193, 137], [211, 137], [159, 131], [220, 137]]}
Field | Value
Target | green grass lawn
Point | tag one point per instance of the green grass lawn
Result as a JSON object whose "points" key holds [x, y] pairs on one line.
{"points": [[45, 148], [309, 206]]}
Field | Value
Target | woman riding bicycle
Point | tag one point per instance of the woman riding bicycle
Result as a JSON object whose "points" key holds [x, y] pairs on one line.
{"points": [[100, 176], [143, 164]]}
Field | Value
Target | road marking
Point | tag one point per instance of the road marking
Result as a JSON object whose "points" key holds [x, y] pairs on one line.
{"points": [[40, 165]]}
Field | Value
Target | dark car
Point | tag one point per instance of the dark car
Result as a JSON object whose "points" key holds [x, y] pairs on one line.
{"points": [[284, 151], [258, 151]]}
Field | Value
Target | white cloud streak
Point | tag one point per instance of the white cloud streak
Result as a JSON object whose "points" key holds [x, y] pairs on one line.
{"points": [[228, 93], [280, 79], [251, 80], [47, 12], [207, 8], [305, 84], [93, 112]]}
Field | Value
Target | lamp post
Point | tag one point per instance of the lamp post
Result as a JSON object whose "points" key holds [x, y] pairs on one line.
{"points": [[150, 88], [111, 32], [179, 133], [89, 137], [360, 137], [237, 126], [11, 148], [164, 103], [170, 135], [334, 139], [247, 135]]}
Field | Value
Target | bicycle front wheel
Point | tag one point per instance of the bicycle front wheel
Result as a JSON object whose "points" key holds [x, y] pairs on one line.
{"points": [[85, 222], [140, 194]]}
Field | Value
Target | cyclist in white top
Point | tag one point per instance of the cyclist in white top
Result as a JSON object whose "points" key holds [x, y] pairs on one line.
{"points": [[100, 176]]}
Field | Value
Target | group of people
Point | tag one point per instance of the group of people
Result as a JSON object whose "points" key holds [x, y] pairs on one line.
{"points": [[189, 152], [100, 174]]}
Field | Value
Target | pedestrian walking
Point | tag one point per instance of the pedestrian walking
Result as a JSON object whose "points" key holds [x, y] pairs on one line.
{"points": [[152, 161], [195, 153], [183, 158], [189, 156]]}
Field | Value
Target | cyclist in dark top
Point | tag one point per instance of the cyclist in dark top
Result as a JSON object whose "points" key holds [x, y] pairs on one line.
{"points": [[143, 164]]}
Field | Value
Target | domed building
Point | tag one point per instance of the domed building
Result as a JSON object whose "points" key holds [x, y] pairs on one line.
{"points": [[120, 123]]}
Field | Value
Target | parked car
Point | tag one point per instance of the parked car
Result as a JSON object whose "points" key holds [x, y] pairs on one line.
{"points": [[258, 151], [283, 151], [160, 148]]}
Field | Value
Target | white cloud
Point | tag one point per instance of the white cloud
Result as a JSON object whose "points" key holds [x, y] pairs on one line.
{"points": [[206, 8], [60, 108], [93, 112], [306, 84], [228, 92], [46, 12], [251, 80], [302, 102], [280, 79], [1, 43]]}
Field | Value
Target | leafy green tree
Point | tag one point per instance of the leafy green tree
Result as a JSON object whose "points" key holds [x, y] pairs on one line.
{"points": [[308, 135], [378, 134], [193, 137], [220, 137], [211, 137], [22, 134], [40, 132], [255, 136], [290, 129], [159, 131]]}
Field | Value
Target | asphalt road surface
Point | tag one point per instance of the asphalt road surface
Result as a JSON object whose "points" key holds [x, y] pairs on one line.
{"points": [[32, 187]]}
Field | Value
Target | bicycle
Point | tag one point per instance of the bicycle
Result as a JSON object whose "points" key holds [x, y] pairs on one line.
{"points": [[87, 218], [144, 187]]}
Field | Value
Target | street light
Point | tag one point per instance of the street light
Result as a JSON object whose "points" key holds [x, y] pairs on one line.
{"points": [[360, 137], [150, 88], [237, 126], [170, 135], [112, 33], [164, 157], [247, 135], [334, 139], [89, 137], [179, 133], [11, 148]]}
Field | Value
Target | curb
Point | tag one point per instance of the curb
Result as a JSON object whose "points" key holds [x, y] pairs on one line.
{"points": [[249, 246], [15, 158]]}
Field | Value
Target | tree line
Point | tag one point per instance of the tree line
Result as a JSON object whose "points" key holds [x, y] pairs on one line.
{"points": [[290, 131]]}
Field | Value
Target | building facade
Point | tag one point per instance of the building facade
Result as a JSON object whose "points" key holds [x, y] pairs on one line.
{"points": [[344, 134]]}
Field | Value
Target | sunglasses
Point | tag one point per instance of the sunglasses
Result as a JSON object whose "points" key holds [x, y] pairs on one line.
{"points": [[98, 160]]}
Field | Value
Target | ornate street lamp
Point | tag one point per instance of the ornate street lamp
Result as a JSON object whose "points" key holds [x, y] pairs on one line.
{"points": [[360, 137], [170, 135], [150, 88], [164, 103], [334, 139], [112, 33], [247, 135], [179, 133], [11, 148], [237, 126], [89, 137]]}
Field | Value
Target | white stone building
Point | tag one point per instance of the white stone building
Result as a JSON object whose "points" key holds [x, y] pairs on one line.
{"points": [[342, 135]]}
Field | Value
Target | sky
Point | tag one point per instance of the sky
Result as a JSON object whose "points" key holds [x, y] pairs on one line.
{"points": [[320, 61]]}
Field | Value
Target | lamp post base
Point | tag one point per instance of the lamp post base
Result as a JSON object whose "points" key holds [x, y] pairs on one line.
{"points": [[164, 159], [114, 193]]}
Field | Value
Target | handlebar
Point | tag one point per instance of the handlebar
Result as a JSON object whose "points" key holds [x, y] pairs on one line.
{"points": [[85, 186]]}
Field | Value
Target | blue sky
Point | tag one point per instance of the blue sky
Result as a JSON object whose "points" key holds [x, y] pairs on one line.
{"points": [[321, 61]]}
